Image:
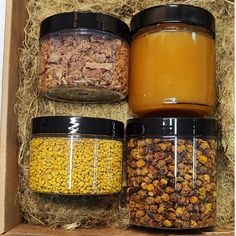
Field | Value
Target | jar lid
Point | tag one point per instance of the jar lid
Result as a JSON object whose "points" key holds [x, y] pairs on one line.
{"points": [[85, 20], [172, 126], [77, 125], [173, 13]]}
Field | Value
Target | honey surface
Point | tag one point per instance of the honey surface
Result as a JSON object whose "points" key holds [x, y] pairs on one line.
{"points": [[172, 67]]}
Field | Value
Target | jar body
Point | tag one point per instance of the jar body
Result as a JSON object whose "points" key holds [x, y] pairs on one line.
{"points": [[172, 181], [83, 65], [172, 71], [75, 164]]}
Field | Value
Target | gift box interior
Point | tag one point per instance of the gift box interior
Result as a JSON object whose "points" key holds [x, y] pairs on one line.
{"points": [[23, 212]]}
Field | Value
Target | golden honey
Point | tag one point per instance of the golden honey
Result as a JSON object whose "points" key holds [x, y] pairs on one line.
{"points": [[172, 65]]}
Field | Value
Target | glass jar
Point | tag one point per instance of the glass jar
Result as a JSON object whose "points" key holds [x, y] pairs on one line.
{"points": [[172, 62], [172, 172], [76, 155], [83, 57]]}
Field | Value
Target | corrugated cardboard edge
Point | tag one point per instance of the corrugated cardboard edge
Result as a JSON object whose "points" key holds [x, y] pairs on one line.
{"points": [[4, 114], [9, 209]]}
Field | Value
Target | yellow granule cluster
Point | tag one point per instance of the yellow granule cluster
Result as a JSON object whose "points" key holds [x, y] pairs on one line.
{"points": [[75, 165]]}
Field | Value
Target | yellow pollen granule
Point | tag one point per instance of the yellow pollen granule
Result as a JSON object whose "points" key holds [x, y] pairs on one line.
{"points": [[75, 165]]}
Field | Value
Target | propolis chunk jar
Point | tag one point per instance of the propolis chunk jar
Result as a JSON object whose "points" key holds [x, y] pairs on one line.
{"points": [[172, 172], [76, 155], [84, 57], [172, 62]]}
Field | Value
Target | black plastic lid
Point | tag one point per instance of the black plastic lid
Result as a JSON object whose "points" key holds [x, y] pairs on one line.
{"points": [[173, 13], [77, 125], [171, 126], [85, 20]]}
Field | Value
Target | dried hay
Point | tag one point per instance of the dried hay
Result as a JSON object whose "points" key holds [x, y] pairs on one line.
{"points": [[74, 212]]}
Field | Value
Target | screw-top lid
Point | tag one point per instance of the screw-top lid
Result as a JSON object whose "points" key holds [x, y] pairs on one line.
{"points": [[173, 13], [77, 125], [85, 20], [171, 126]]}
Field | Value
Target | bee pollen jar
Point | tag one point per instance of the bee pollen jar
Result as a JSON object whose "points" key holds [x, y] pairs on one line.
{"points": [[172, 172], [83, 57], [172, 61], [76, 155]]}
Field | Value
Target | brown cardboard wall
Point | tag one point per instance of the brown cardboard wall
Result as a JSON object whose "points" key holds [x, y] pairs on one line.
{"points": [[33, 230], [14, 33]]}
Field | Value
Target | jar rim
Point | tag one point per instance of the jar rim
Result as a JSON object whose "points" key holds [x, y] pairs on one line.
{"points": [[77, 125], [86, 20], [173, 13], [172, 126]]}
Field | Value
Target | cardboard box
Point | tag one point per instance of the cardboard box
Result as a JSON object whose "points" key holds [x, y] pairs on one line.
{"points": [[10, 218]]}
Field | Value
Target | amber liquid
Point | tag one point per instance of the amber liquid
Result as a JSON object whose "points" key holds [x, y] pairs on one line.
{"points": [[172, 73]]}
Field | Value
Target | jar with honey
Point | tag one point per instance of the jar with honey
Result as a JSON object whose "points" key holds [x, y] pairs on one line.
{"points": [[172, 67]]}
